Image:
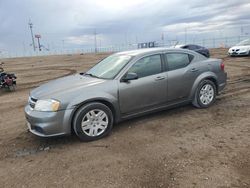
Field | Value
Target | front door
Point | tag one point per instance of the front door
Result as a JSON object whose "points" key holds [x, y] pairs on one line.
{"points": [[148, 91]]}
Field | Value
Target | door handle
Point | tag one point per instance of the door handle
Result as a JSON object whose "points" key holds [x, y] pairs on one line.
{"points": [[160, 78], [194, 70]]}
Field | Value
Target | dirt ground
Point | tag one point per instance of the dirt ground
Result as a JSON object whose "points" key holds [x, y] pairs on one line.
{"points": [[182, 147]]}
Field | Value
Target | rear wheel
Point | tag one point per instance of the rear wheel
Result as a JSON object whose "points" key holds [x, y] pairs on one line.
{"points": [[93, 121], [205, 94]]}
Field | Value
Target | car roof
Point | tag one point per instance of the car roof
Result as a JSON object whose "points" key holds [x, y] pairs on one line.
{"points": [[150, 50]]}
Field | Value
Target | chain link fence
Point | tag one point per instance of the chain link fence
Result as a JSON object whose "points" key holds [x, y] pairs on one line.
{"points": [[224, 42]]}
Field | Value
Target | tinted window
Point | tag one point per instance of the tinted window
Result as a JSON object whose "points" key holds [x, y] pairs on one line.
{"points": [[199, 47], [147, 66], [185, 47], [193, 47], [177, 60]]}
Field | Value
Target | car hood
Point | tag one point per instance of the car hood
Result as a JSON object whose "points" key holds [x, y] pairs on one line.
{"points": [[240, 47], [64, 84]]}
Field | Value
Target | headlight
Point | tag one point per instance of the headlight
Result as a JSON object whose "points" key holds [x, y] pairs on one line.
{"points": [[48, 105]]}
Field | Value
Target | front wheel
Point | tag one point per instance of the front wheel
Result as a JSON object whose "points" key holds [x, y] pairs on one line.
{"points": [[93, 121], [205, 94]]}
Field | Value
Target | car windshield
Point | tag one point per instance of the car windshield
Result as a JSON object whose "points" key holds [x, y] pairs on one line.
{"points": [[244, 43], [109, 67]]}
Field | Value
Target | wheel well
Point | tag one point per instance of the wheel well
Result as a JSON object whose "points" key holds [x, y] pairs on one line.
{"points": [[108, 104], [214, 81]]}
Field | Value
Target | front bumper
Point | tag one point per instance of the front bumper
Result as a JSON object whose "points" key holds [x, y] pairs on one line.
{"points": [[238, 53], [48, 124]]}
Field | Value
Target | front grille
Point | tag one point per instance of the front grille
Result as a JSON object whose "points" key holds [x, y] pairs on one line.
{"points": [[32, 102]]}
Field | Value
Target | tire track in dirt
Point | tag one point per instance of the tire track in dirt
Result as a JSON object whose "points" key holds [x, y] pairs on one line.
{"points": [[243, 78], [234, 93], [29, 85], [39, 68]]}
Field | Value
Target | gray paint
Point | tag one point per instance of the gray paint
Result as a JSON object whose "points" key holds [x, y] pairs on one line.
{"points": [[127, 100]]}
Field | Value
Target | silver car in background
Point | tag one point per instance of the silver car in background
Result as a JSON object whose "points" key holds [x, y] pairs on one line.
{"points": [[122, 86], [240, 49]]}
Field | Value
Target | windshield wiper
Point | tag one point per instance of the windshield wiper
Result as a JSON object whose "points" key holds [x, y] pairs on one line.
{"points": [[88, 74]]}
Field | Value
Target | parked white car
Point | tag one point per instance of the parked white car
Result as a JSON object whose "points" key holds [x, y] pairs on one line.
{"points": [[241, 49]]}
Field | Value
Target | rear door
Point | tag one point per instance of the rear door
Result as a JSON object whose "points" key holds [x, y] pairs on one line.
{"points": [[149, 90], [181, 75]]}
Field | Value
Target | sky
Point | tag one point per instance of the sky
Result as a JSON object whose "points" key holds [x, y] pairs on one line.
{"points": [[65, 24]]}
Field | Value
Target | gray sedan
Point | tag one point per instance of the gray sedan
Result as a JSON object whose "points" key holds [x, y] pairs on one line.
{"points": [[122, 86]]}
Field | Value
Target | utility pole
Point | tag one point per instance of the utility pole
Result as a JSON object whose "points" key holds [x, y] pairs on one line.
{"points": [[100, 43], [63, 45], [32, 36], [95, 41], [136, 39], [163, 39], [242, 30], [185, 35]]}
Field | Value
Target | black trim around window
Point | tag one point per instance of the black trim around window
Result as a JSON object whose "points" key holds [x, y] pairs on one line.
{"points": [[162, 64], [190, 57]]}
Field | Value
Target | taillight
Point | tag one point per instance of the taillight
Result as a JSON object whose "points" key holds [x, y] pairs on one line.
{"points": [[222, 66]]}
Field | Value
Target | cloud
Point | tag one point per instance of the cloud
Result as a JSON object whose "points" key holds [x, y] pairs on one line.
{"points": [[84, 39], [116, 21], [211, 19]]}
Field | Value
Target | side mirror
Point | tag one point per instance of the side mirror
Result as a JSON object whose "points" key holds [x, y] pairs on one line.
{"points": [[129, 76]]}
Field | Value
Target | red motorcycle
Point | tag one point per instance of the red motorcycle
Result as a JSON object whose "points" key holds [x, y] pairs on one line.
{"points": [[7, 80]]}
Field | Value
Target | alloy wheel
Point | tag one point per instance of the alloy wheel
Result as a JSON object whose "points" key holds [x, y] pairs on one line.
{"points": [[95, 122], [206, 94]]}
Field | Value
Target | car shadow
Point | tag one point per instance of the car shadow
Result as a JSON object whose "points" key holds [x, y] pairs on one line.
{"points": [[152, 116]]}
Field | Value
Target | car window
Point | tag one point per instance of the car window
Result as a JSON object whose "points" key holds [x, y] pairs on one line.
{"points": [[177, 60], [109, 67], [199, 47], [193, 47], [147, 66]]}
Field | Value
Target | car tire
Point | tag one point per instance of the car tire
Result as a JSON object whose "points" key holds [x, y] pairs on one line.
{"points": [[93, 121], [205, 94]]}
